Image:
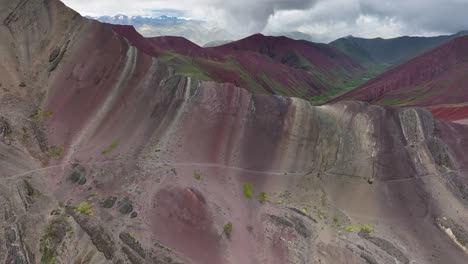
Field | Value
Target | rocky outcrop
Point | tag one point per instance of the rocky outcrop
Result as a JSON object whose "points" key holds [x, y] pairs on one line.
{"points": [[56, 56], [131, 242], [386, 246], [77, 174], [101, 239], [417, 125], [5, 128]]}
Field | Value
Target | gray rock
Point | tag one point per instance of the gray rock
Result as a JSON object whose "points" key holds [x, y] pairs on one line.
{"points": [[10, 236], [417, 125], [130, 241], [5, 128], [458, 231], [368, 258], [100, 238], [109, 202], [439, 152], [52, 238], [459, 183], [386, 246], [77, 174], [134, 259], [54, 54], [125, 206]]}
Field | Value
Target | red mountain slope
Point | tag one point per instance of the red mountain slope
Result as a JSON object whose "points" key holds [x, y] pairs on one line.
{"points": [[284, 49], [272, 65], [437, 80]]}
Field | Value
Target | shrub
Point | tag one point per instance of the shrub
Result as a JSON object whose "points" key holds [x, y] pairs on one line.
{"points": [[228, 229], [55, 151], [364, 228], [111, 147], [197, 176], [48, 114], [37, 114], [248, 190], [262, 197], [83, 208]]}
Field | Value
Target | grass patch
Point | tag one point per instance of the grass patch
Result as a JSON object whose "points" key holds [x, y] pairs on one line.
{"points": [[341, 87], [358, 228], [83, 208], [37, 116], [48, 114], [262, 197], [248, 190], [55, 151], [185, 65], [227, 229], [40, 115], [111, 147], [275, 86], [197, 175], [321, 215]]}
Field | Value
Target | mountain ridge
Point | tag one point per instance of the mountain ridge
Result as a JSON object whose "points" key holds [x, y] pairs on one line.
{"points": [[301, 68], [436, 79], [390, 52]]}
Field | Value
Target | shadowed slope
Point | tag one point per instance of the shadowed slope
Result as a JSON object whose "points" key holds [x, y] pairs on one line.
{"points": [[384, 53]]}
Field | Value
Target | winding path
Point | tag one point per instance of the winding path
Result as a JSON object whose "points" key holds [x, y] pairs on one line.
{"points": [[173, 164]]}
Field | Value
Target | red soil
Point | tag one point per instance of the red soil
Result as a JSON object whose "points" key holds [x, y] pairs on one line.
{"points": [[450, 113], [277, 47]]}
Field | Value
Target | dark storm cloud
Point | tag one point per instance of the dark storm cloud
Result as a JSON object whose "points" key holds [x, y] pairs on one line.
{"points": [[429, 15]]}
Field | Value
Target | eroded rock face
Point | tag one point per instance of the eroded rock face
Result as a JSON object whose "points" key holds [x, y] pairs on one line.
{"points": [[100, 237], [77, 174], [386, 246], [5, 129], [52, 239], [185, 150], [125, 206], [417, 125]]}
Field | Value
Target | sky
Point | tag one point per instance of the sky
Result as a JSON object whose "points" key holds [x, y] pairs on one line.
{"points": [[324, 20]]}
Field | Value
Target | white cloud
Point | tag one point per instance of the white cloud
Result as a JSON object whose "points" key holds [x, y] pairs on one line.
{"points": [[325, 20]]}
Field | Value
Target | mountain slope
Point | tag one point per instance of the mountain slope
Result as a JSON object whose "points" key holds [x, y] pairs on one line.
{"points": [[384, 53], [110, 157], [271, 65], [437, 79]]}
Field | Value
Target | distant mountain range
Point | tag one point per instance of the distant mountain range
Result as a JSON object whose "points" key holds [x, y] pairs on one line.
{"points": [[261, 64], [385, 53], [199, 32]]}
